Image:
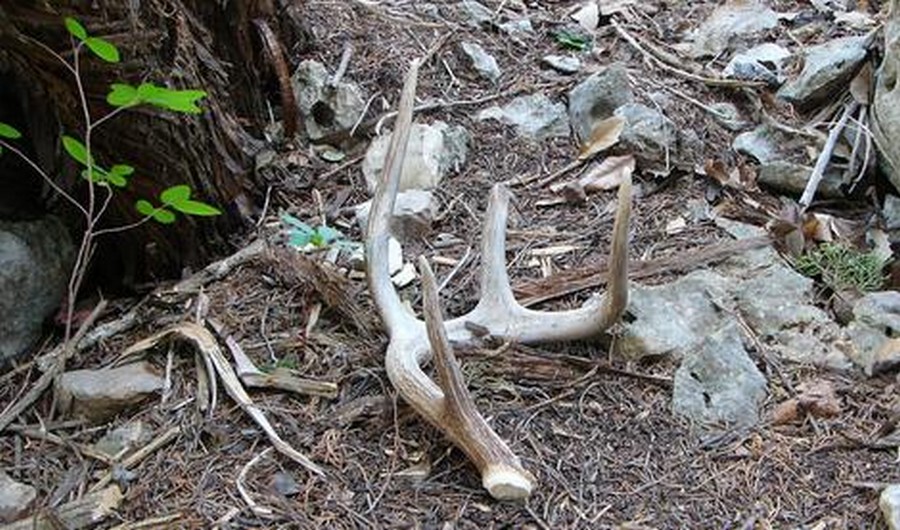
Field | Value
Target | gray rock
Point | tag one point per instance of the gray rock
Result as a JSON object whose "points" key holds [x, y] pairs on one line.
{"points": [[562, 63], [873, 330], [822, 344], [827, 67], [101, 394], [776, 298], [285, 484], [483, 62], [519, 28], [891, 212], [885, 123], [35, 262], [673, 318], [433, 150], [16, 499], [325, 109], [718, 385], [761, 63], [729, 21], [760, 144], [648, 134], [728, 115], [124, 439], [889, 502], [791, 179], [414, 211], [597, 98], [477, 14], [534, 116]]}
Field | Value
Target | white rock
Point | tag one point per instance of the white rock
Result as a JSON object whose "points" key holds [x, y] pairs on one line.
{"points": [[430, 154], [482, 61], [889, 502], [395, 256], [16, 499], [405, 277], [101, 394], [414, 211]]}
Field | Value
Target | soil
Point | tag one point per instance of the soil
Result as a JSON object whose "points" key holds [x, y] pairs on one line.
{"points": [[595, 429]]}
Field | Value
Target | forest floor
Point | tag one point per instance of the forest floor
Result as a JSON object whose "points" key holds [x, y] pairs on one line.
{"points": [[596, 430]]}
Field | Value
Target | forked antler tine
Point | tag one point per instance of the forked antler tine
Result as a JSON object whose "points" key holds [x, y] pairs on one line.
{"points": [[498, 311], [501, 472], [387, 300]]}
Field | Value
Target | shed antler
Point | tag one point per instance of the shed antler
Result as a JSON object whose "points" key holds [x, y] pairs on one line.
{"points": [[447, 404]]}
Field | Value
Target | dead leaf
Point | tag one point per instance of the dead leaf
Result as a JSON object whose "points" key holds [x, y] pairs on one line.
{"points": [[861, 86], [816, 398], [605, 134], [588, 17], [607, 175]]}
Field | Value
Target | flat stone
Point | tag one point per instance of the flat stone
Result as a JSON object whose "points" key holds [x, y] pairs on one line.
{"points": [[432, 152], [791, 179], [533, 116], [477, 14], [597, 98], [648, 134], [827, 67], [718, 385], [16, 499], [873, 331], [759, 144], [483, 62], [124, 439], [101, 394], [778, 298], [728, 116], [760, 63], [414, 211], [728, 22], [562, 63]]}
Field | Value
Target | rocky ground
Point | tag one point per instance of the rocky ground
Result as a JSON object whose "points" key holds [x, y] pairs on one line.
{"points": [[736, 393]]}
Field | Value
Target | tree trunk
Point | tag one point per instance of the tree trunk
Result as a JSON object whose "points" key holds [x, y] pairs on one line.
{"points": [[210, 45]]}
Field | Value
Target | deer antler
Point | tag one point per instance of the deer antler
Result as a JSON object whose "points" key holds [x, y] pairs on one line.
{"points": [[447, 404]]}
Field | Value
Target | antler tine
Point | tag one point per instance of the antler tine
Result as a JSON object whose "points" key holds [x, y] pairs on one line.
{"points": [[392, 310], [498, 310]]}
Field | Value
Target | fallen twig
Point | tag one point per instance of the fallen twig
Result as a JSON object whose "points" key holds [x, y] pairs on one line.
{"points": [[825, 156], [139, 455]]}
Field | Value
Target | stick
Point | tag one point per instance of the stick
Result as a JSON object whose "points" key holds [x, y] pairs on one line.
{"points": [[825, 156]]}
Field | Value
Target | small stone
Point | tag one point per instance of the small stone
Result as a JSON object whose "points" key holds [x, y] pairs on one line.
{"points": [[761, 63], [718, 385], [791, 178], [414, 211], [727, 22], [101, 394], [563, 64], [759, 144], [889, 502], [483, 62], [827, 67], [728, 115], [123, 439], [405, 277], [648, 134], [326, 109], [285, 484], [478, 14], [533, 116], [597, 98], [891, 212], [517, 28], [16, 499], [395, 256], [432, 152]]}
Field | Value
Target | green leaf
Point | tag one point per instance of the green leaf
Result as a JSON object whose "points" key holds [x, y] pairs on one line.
{"points": [[121, 169], [569, 39], [9, 132], [144, 207], [75, 28], [197, 208], [103, 49], [99, 175], [122, 95], [160, 215], [175, 100], [76, 149], [175, 195]]}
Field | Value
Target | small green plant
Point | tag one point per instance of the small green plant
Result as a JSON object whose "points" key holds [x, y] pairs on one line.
{"points": [[842, 267], [102, 180], [304, 236], [572, 40]]}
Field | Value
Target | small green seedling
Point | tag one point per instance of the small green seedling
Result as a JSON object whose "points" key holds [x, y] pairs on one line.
{"points": [[572, 40], [303, 236]]}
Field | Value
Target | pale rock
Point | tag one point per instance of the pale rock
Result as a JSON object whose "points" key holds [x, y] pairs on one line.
{"points": [[534, 116], [432, 152], [414, 211], [325, 109], [597, 98], [124, 439], [101, 394], [727, 22], [889, 502], [562, 63], [16, 499], [760, 63], [827, 67], [483, 62]]}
